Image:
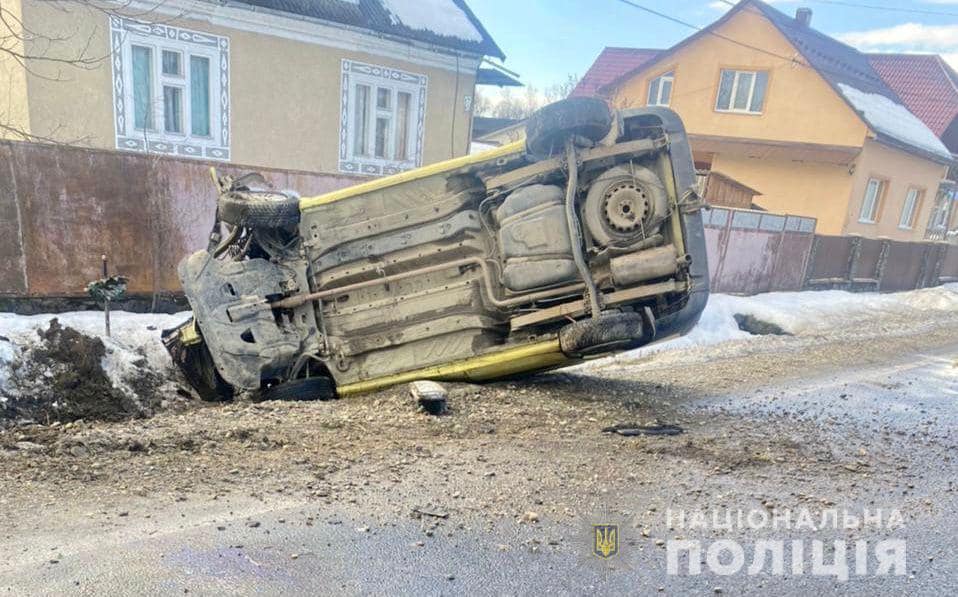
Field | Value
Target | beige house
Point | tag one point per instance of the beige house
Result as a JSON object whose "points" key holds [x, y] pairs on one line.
{"points": [[799, 118], [363, 87]]}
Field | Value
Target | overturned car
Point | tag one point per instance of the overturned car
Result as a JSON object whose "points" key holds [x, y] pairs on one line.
{"points": [[582, 240]]}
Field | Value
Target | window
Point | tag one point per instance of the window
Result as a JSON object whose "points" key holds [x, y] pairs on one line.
{"points": [[382, 125], [660, 89], [872, 201], [742, 91], [910, 210], [171, 89]]}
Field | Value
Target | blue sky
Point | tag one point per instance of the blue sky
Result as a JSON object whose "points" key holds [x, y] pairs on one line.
{"points": [[545, 40]]}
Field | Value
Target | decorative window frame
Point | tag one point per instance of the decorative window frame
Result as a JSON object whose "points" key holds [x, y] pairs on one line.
{"points": [[353, 72], [124, 33]]}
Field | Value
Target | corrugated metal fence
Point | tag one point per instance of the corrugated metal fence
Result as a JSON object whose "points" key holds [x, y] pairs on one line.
{"points": [[753, 251], [855, 263]]}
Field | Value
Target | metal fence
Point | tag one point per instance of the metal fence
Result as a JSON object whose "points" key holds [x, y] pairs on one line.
{"points": [[856, 263], [753, 251], [62, 207]]}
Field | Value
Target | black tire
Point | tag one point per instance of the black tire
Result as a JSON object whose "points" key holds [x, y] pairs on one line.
{"points": [[306, 388], [609, 333], [196, 363], [549, 127], [259, 209]]}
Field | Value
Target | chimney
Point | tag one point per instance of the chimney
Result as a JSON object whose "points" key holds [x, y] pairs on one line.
{"points": [[803, 16]]}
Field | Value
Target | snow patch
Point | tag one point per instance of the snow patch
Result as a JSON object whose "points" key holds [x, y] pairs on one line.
{"points": [[894, 120], [132, 340], [441, 17], [799, 313]]}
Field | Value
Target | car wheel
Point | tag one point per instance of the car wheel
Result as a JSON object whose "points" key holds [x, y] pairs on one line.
{"points": [[259, 210], [549, 127], [306, 388], [623, 204]]}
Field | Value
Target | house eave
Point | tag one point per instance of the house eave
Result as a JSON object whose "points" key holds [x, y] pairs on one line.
{"points": [[265, 21]]}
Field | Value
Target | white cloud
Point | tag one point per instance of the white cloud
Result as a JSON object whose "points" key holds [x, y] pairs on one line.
{"points": [[905, 37], [909, 38]]}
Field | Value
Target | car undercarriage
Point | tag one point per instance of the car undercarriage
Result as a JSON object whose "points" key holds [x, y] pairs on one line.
{"points": [[582, 240]]}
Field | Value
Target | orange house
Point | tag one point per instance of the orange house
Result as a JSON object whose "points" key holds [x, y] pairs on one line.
{"points": [[799, 117]]}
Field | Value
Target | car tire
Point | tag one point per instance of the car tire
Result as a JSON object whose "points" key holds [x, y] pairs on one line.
{"points": [[549, 127], [259, 210], [306, 388], [611, 332]]}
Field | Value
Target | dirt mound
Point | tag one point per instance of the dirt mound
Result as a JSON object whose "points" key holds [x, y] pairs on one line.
{"points": [[62, 378]]}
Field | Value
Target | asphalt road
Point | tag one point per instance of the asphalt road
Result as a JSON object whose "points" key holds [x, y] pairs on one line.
{"points": [[892, 420]]}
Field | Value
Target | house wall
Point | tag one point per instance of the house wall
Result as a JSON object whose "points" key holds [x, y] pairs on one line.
{"points": [[14, 113], [284, 93], [799, 106], [817, 190], [901, 171]]}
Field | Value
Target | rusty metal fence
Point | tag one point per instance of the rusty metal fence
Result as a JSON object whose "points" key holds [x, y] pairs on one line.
{"points": [[752, 251], [62, 207], [856, 263]]}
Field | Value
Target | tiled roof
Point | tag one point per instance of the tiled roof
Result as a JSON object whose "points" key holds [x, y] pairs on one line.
{"points": [[925, 83], [853, 77], [374, 15], [611, 64]]}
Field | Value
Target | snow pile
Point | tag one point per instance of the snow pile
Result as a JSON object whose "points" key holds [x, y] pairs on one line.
{"points": [[441, 17], [799, 313], [44, 365], [894, 120]]}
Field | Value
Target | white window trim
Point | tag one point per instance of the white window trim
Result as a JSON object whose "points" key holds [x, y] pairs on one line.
{"points": [[124, 34], [909, 223], [876, 202], [751, 92], [668, 76], [354, 72]]}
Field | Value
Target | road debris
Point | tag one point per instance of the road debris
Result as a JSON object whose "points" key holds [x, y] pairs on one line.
{"points": [[633, 429], [430, 395]]}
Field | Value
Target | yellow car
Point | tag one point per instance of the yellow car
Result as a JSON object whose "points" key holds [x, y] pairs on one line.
{"points": [[582, 240]]}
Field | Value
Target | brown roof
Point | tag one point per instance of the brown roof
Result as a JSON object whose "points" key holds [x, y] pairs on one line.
{"points": [[925, 83], [611, 64]]}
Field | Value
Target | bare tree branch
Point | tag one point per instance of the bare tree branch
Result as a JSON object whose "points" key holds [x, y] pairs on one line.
{"points": [[51, 55]]}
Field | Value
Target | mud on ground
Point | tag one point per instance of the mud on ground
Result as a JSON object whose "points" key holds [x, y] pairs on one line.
{"points": [[62, 379]]}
